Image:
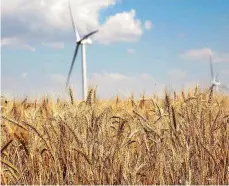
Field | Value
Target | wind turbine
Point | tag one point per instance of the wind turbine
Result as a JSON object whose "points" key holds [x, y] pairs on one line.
{"points": [[215, 81], [85, 40]]}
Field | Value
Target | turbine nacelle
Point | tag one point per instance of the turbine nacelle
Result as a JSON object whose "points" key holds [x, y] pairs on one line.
{"points": [[87, 41], [216, 83]]}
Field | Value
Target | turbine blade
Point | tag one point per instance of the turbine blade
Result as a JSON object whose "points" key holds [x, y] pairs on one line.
{"points": [[73, 24], [91, 33], [217, 77], [73, 61], [211, 66]]}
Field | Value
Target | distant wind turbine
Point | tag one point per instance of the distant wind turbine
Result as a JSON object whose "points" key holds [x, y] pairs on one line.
{"points": [[85, 40], [215, 83]]}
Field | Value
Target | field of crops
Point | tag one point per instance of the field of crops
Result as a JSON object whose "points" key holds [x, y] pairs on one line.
{"points": [[182, 138]]}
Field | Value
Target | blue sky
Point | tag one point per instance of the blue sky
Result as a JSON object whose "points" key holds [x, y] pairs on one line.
{"points": [[141, 47]]}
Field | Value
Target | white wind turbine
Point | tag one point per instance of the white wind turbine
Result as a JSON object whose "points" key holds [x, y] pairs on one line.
{"points": [[85, 40], [215, 83]]}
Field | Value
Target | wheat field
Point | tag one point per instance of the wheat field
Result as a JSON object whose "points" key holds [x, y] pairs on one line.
{"points": [[182, 138]]}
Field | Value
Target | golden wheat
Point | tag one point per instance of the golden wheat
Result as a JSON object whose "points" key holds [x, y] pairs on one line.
{"points": [[181, 139]]}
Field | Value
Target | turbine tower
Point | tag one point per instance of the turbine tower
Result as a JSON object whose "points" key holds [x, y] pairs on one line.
{"points": [[215, 83], [85, 40]]}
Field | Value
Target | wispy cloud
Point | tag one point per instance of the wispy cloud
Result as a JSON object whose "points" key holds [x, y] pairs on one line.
{"points": [[177, 73], [223, 58], [57, 78], [56, 45], [14, 42], [193, 54], [130, 51], [34, 87], [111, 84], [203, 54]]}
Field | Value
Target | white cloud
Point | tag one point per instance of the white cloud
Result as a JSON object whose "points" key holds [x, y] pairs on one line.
{"points": [[37, 22], [148, 25], [130, 51], [7, 41], [203, 54], [145, 76], [35, 87], [112, 76], [111, 84], [177, 73], [57, 78], [120, 27], [223, 58], [57, 45], [15, 42]]}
